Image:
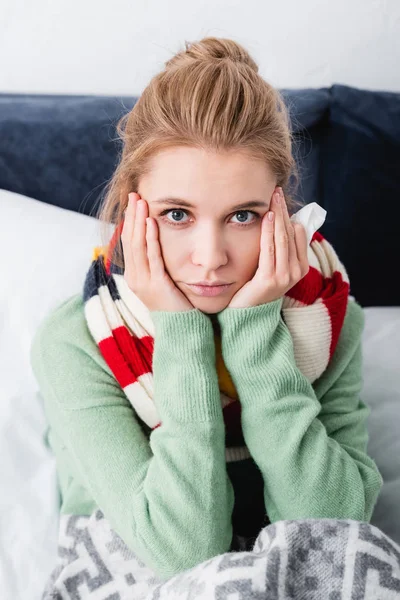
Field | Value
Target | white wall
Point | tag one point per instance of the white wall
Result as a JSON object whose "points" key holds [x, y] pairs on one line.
{"points": [[114, 47]]}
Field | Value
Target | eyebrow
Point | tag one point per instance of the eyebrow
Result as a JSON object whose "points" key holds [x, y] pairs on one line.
{"points": [[180, 202]]}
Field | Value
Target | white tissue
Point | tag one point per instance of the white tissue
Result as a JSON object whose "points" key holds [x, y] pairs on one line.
{"points": [[311, 216]]}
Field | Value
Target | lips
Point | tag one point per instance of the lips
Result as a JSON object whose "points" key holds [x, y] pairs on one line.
{"points": [[209, 290], [209, 284]]}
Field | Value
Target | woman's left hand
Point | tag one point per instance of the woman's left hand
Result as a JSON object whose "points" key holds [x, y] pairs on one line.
{"points": [[283, 258]]}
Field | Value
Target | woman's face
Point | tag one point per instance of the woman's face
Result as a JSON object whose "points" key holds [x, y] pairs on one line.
{"points": [[217, 237]]}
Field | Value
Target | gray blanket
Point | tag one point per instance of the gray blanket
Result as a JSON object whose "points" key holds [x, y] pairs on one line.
{"points": [[307, 559]]}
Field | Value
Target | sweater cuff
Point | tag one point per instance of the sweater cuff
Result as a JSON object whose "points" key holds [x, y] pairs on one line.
{"points": [[184, 368], [247, 335], [241, 324], [183, 331]]}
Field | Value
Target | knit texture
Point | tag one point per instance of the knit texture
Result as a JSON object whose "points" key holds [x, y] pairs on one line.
{"points": [[173, 498]]}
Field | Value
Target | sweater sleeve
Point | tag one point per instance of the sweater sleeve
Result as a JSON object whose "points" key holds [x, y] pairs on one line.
{"points": [[169, 498], [311, 451]]}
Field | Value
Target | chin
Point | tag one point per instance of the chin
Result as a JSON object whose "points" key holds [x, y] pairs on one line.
{"points": [[208, 305]]}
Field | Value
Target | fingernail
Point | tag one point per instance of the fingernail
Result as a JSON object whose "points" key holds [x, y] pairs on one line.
{"points": [[278, 198]]}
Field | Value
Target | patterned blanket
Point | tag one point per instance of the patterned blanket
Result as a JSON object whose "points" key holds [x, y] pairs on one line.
{"points": [[307, 559]]}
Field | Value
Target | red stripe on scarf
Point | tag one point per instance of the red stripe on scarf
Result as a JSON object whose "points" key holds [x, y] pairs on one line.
{"points": [[337, 310], [138, 353]]}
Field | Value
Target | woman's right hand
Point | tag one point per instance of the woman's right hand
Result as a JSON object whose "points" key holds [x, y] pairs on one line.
{"points": [[145, 272]]}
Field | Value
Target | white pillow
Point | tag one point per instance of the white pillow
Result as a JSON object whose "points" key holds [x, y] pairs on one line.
{"points": [[46, 252], [381, 392]]}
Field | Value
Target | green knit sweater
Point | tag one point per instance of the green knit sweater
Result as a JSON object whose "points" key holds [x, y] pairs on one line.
{"points": [[171, 496]]}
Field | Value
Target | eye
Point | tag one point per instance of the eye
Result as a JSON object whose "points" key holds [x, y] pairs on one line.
{"points": [[180, 222], [173, 210], [250, 212]]}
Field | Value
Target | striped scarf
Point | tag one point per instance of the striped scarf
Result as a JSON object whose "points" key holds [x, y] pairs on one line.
{"points": [[121, 325]]}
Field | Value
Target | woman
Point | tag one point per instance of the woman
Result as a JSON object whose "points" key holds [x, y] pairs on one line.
{"points": [[142, 373]]}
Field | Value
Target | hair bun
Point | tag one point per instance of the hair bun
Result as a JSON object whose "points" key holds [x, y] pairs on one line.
{"points": [[213, 48]]}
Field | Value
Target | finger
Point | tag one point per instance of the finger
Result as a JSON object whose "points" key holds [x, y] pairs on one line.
{"points": [[266, 262], [281, 240], [156, 262], [302, 248], [293, 258], [139, 244], [127, 233]]}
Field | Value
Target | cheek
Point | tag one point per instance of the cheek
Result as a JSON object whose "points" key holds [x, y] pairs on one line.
{"points": [[171, 246], [246, 258]]}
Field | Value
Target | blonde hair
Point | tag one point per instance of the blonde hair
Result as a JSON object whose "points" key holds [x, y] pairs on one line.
{"points": [[209, 96]]}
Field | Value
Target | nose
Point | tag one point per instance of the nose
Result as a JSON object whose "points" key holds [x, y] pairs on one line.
{"points": [[209, 250]]}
